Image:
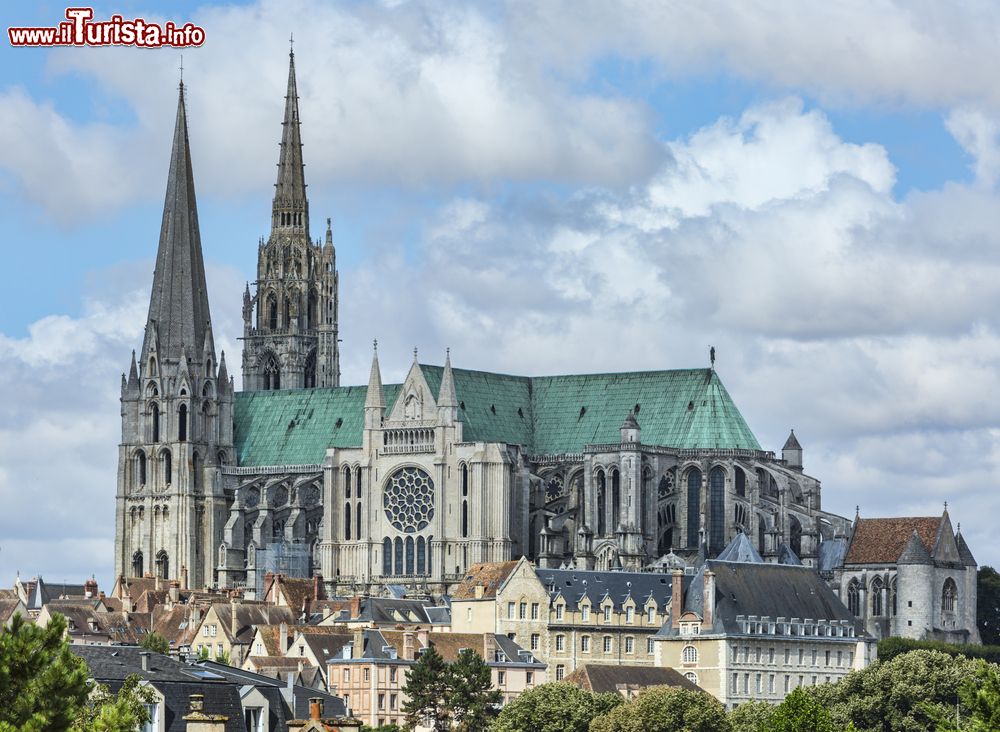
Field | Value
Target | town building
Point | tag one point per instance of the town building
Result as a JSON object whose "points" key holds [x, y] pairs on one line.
{"points": [[750, 630], [566, 617], [371, 672], [601, 678], [912, 577]]}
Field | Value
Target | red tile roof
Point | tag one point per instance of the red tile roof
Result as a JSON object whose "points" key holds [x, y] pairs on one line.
{"points": [[488, 575], [882, 540]]}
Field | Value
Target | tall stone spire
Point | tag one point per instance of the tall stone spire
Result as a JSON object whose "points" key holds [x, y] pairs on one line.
{"points": [[290, 209], [178, 304], [446, 394], [375, 398]]}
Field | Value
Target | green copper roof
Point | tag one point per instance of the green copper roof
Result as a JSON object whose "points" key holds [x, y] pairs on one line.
{"points": [[551, 414]]}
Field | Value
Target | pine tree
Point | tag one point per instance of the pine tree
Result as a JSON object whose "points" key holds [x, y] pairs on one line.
{"points": [[426, 689], [472, 700], [45, 687]]}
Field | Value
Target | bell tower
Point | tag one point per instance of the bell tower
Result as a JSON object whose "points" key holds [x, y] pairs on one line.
{"points": [[290, 321], [176, 406]]}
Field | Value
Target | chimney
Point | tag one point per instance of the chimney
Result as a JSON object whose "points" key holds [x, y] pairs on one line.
{"points": [[283, 638], [489, 647], [127, 606], [479, 591], [317, 587], [708, 615], [175, 591], [408, 642], [358, 643], [90, 588], [355, 606], [156, 583], [199, 721], [144, 660], [676, 598], [423, 637], [234, 624], [315, 708]]}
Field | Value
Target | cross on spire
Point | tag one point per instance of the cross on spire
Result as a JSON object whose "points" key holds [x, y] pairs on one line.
{"points": [[182, 69]]}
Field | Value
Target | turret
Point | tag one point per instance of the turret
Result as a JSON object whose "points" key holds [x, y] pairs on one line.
{"points": [[447, 401], [791, 453]]}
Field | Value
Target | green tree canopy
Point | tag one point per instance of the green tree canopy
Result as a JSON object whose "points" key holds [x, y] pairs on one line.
{"points": [[665, 709], [156, 643], [426, 689], [44, 687], [800, 711], [751, 716], [472, 700], [556, 707], [904, 693], [988, 606]]}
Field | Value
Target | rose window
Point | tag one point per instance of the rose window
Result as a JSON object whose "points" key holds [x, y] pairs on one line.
{"points": [[408, 499]]}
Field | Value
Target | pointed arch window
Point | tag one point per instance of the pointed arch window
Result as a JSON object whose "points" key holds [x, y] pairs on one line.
{"points": [[309, 375], [162, 565], [154, 417], [140, 468], [877, 587], [347, 482], [421, 555], [716, 507], [854, 598], [182, 423], [271, 373], [741, 483], [949, 592], [386, 556], [272, 313], [409, 555], [693, 506], [601, 512], [398, 552], [347, 520], [357, 523], [137, 568], [465, 479], [465, 519], [167, 467], [795, 535]]}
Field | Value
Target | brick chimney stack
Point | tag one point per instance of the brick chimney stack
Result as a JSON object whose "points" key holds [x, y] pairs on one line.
{"points": [[676, 598], [355, 606], [315, 708]]}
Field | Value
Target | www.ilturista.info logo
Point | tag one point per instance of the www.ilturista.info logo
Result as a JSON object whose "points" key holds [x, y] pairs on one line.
{"points": [[80, 29]]}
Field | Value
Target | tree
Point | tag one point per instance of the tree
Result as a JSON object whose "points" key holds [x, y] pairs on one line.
{"points": [[901, 694], [44, 686], [156, 643], [556, 707], [800, 711], [665, 709], [751, 716], [988, 605], [223, 658], [426, 689], [472, 701], [978, 709]]}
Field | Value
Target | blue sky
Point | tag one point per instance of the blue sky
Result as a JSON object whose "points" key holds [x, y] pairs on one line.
{"points": [[544, 188]]}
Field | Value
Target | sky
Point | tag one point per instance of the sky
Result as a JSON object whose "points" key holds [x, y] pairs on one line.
{"points": [[559, 187]]}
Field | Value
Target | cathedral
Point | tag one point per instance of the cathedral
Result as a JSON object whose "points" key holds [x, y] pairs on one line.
{"points": [[410, 484]]}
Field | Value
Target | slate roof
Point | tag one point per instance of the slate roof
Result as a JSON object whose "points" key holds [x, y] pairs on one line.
{"points": [[740, 550], [574, 584], [771, 590], [964, 552], [792, 443], [787, 555], [294, 702], [176, 681], [686, 409], [325, 646], [882, 540], [388, 610], [488, 575], [915, 552], [605, 678], [248, 616], [831, 554]]}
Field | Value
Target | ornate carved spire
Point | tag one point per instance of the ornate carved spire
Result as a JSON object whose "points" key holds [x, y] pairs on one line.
{"points": [[375, 398], [290, 209], [178, 304]]}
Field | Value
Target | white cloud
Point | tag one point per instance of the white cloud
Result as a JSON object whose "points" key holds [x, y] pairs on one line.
{"points": [[979, 134]]}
